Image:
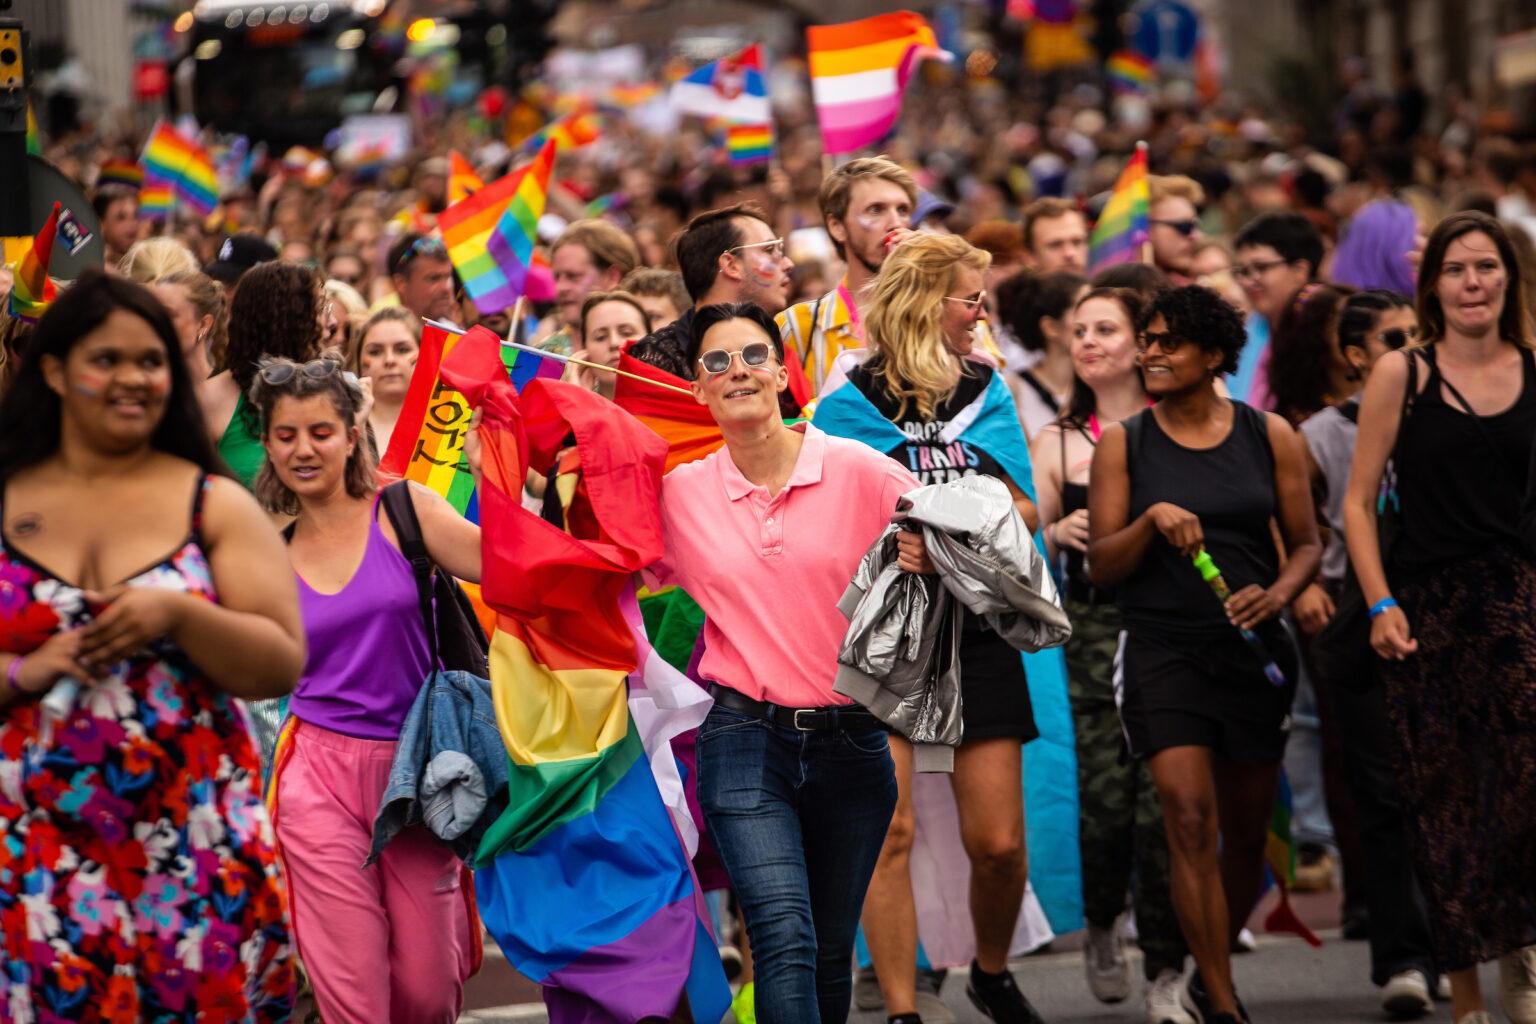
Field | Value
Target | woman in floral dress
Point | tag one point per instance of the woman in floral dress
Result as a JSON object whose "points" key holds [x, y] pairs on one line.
{"points": [[137, 875]]}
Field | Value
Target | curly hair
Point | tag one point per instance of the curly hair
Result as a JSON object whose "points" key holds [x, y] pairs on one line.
{"points": [[1195, 312], [1302, 350], [346, 397], [275, 311], [904, 314]]}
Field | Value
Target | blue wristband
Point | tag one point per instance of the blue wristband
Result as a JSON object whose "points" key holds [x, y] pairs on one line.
{"points": [[1382, 605]]}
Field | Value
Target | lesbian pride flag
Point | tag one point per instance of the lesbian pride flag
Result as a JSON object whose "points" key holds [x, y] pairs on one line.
{"points": [[585, 880], [1123, 227], [859, 71]]}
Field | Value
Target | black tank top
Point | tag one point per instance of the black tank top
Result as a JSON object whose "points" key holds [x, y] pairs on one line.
{"points": [[1462, 478], [1073, 497], [1231, 489]]}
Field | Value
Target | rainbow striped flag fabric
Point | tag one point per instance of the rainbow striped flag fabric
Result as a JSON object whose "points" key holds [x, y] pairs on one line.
{"points": [[1123, 225], [1129, 71], [749, 143], [688, 427], [463, 182], [585, 880], [176, 170], [120, 173], [34, 142], [490, 235], [858, 73], [32, 291], [428, 443], [569, 131]]}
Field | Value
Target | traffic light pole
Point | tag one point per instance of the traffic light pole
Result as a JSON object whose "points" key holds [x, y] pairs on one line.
{"points": [[15, 78]]}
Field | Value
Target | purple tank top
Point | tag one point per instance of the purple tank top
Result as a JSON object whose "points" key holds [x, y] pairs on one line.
{"points": [[367, 647]]}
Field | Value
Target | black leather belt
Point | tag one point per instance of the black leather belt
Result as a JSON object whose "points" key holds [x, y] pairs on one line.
{"points": [[829, 719]]}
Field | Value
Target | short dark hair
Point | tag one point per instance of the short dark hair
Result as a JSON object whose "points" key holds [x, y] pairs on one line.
{"points": [[1301, 355], [105, 196], [1290, 234], [708, 235], [31, 412], [1142, 278], [1025, 297], [1197, 314], [720, 312]]}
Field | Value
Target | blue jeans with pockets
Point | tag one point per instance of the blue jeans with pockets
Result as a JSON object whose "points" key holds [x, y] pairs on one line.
{"points": [[798, 819]]}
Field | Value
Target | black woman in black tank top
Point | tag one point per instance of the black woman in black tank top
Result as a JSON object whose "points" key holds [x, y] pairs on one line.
{"points": [[1196, 472], [1451, 609]]}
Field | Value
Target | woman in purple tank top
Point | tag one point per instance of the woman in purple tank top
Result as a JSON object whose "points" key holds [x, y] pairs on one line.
{"points": [[367, 659]]}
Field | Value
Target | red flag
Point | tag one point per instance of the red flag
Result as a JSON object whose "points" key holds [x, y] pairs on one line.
{"points": [[687, 427]]}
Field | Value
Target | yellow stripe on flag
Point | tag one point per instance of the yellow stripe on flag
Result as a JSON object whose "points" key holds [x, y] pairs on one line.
{"points": [[552, 715]]}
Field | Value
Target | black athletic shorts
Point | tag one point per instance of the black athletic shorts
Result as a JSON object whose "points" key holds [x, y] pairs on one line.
{"points": [[994, 694], [1207, 692]]}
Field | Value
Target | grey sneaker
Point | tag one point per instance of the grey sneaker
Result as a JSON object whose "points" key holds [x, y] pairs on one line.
{"points": [[933, 1010], [1109, 976], [1406, 995], [866, 990], [1163, 1006], [1517, 985]]}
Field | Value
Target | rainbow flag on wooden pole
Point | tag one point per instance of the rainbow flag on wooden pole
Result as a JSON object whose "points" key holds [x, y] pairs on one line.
{"points": [[490, 235], [585, 881], [859, 71], [1123, 229]]}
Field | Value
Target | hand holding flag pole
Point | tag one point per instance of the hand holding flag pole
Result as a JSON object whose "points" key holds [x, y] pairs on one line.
{"points": [[542, 354]]}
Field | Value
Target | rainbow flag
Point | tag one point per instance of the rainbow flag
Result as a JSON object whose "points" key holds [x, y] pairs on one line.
{"points": [[1280, 859], [463, 182], [34, 143], [176, 169], [32, 291], [120, 173], [749, 143], [570, 131], [1122, 228], [428, 443], [858, 72], [687, 427], [198, 185], [585, 880], [1129, 71], [490, 235]]}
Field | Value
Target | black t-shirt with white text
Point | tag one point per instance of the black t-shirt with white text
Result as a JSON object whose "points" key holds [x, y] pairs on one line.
{"points": [[931, 458]]}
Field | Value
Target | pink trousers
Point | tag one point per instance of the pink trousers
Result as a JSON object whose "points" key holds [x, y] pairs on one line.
{"points": [[386, 943]]}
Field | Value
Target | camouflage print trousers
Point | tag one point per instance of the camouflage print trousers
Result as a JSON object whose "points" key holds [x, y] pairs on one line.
{"points": [[1120, 829]]}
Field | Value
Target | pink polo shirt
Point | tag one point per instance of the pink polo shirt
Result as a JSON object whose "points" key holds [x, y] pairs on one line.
{"points": [[768, 571]]}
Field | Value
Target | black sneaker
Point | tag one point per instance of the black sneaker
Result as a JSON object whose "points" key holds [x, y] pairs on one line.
{"points": [[1193, 998], [998, 997]]}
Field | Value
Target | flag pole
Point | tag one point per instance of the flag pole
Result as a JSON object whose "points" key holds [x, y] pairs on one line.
{"points": [[542, 354]]}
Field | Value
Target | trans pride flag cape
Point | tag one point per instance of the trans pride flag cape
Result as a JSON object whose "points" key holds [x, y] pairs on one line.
{"points": [[585, 881], [991, 423]]}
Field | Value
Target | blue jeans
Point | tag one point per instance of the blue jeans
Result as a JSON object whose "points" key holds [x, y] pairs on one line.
{"points": [[798, 819]]}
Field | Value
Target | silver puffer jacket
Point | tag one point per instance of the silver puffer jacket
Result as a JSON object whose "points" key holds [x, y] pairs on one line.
{"points": [[900, 657]]}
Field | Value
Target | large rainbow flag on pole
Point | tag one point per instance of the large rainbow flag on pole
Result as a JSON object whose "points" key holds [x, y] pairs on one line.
{"points": [[859, 71], [1123, 226], [585, 880], [176, 169], [490, 234]]}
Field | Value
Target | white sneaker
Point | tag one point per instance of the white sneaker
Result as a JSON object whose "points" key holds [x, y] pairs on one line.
{"points": [[1406, 995], [1109, 976], [1163, 1006], [1443, 988], [1245, 943], [1476, 1017], [1517, 985]]}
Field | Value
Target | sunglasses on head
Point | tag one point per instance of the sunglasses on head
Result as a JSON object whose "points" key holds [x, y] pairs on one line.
{"points": [[1183, 227], [717, 361], [426, 245], [283, 372]]}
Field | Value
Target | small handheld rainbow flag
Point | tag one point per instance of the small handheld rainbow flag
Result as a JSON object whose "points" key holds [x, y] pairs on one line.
{"points": [[490, 234], [463, 182], [749, 143], [176, 169], [858, 72], [571, 131], [198, 186], [1130, 72], [32, 290], [1123, 226]]}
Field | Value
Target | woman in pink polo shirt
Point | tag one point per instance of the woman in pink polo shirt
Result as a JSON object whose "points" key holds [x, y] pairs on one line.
{"points": [[796, 784]]}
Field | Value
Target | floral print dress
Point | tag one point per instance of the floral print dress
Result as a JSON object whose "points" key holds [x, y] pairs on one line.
{"points": [[138, 880]]}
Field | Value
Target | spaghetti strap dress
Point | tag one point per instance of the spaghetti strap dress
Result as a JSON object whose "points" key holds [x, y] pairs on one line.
{"points": [[138, 880]]}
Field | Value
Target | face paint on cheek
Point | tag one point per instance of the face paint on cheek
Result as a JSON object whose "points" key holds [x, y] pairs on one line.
{"points": [[765, 267], [867, 222], [160, 386], [90, 385]]}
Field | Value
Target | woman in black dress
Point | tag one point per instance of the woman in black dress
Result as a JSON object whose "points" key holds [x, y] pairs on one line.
{"points": [[1200, 472], [1451, 608]]}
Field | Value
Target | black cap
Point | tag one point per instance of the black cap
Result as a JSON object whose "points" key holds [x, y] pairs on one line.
{"points": [[238, 254]]}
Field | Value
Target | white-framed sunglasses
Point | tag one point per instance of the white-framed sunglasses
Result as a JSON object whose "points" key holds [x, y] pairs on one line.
{"points": [[774, 247], [754, 356], [975, 303]]}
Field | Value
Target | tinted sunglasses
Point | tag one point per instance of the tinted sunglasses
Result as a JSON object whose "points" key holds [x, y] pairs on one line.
{"points": [[1165, 340], [1183, 227], [717, 361], [1397, 337], [281, 373]]}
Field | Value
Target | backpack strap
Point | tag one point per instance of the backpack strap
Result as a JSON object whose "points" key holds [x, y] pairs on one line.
{"points": [[402, 516], [1135, 429]]}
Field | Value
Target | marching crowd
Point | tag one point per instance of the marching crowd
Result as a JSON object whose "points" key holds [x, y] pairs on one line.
{"points": [[1278, 469]]}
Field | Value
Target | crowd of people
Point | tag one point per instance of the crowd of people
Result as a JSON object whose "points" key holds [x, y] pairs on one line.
{"points": [[1278, 467]]}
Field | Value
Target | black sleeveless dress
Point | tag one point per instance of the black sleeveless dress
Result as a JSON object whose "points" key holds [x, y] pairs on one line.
{"points": [[1462, 709], [1189, 678]]}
